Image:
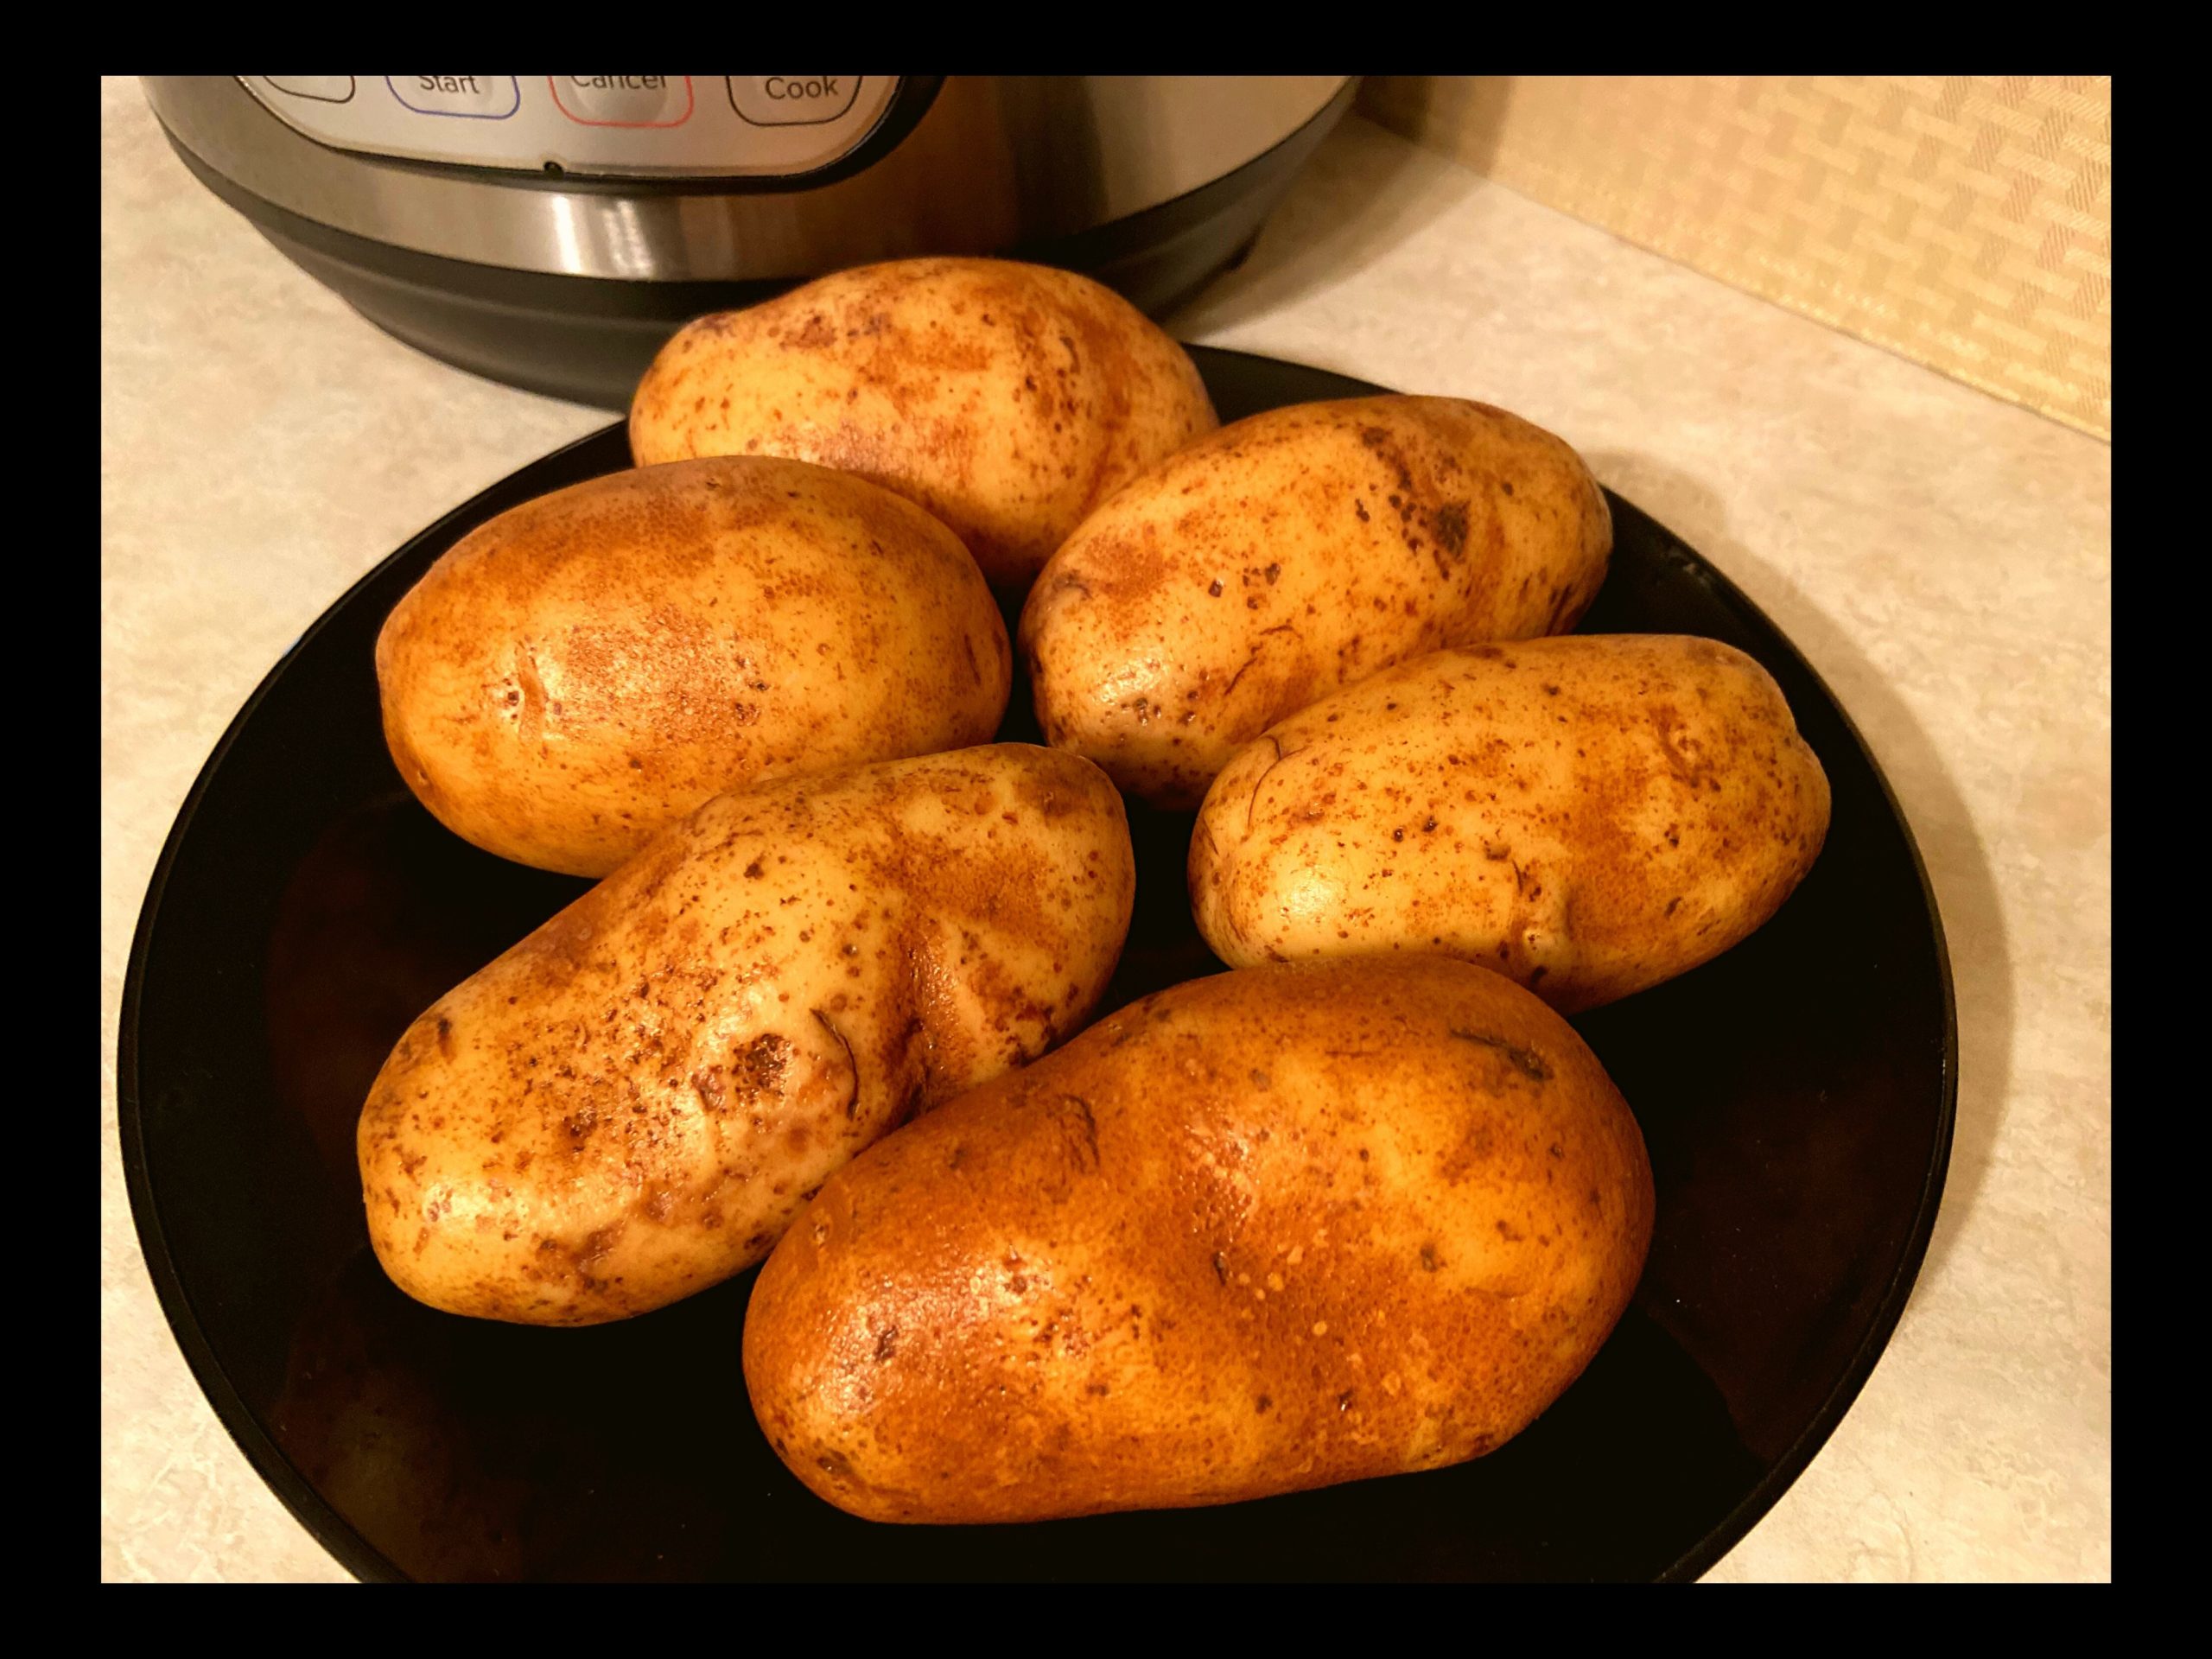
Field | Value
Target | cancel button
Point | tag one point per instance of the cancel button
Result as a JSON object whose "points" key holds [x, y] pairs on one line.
{"points": [[792, 100]]}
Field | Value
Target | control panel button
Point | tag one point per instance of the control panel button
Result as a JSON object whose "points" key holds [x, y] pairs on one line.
{"points": [[595, 126], [624, 101], [479, 97], [792, 100], [324, 89]]}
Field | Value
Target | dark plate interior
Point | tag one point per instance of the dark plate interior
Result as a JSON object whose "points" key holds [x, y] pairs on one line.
{"points": [[1796, 1094]]}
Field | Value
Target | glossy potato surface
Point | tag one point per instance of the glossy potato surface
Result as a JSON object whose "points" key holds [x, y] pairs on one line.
{"points": [[1589, 815], [589, 666], [1008, 399], [630, 1105], [1269, 1230], [1290, 553]]}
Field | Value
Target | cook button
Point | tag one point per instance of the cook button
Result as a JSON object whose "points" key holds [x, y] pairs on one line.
{"points": [[480, 98], [791, 100], [324, 89], [624, 101]]}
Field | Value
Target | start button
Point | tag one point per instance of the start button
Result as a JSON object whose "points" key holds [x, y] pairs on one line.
{"points": [[624, 101], [476, 98], [792, 100]]}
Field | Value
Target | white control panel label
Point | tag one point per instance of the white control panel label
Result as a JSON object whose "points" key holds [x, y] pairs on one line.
{"points": [[625, 100], [478, 97], [792, 100], [711, 125]]}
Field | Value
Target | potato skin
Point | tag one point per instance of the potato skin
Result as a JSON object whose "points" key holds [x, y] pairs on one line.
{"points": [[631, 1105], [1008, 399], [1294, 552], [589, 666], [1587, 815], [1273, 1230]]}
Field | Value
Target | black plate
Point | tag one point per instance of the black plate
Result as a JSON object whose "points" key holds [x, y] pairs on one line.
{"points": [[1796, 1094]]}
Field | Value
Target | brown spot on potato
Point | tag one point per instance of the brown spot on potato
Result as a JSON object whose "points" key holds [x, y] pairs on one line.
{"points": [[1079, 1131], [1526, 1061], [1449, 525], [759, 1068]]}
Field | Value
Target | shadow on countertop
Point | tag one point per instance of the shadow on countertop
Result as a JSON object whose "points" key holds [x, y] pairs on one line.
{"points": [[1363, 191]]}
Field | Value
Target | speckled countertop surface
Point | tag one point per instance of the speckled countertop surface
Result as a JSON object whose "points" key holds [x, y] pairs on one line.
{"points": [[1944, 560]]}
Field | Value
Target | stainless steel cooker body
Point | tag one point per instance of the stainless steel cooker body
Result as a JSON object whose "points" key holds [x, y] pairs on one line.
{"points": [[551, 231]]}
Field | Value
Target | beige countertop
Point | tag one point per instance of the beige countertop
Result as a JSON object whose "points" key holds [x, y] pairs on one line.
{"points": [[1944, 558]]}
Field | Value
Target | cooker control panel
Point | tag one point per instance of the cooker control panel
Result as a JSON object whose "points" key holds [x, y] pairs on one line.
{"points": [[738, 126]]}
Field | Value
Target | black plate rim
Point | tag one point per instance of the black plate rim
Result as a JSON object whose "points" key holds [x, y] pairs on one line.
{"points": [[292, 1488], [1783, 1475], [360, 1558]]}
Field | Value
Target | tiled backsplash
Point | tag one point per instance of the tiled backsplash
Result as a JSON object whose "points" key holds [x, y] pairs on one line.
{"points": [[1964, 221]]}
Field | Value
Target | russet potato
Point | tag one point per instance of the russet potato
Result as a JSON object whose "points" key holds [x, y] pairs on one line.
{"points": [[630, 1104], [1008, 399], [1292, 553], [589, 666], [1273, 1230], [1589, 815]]}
